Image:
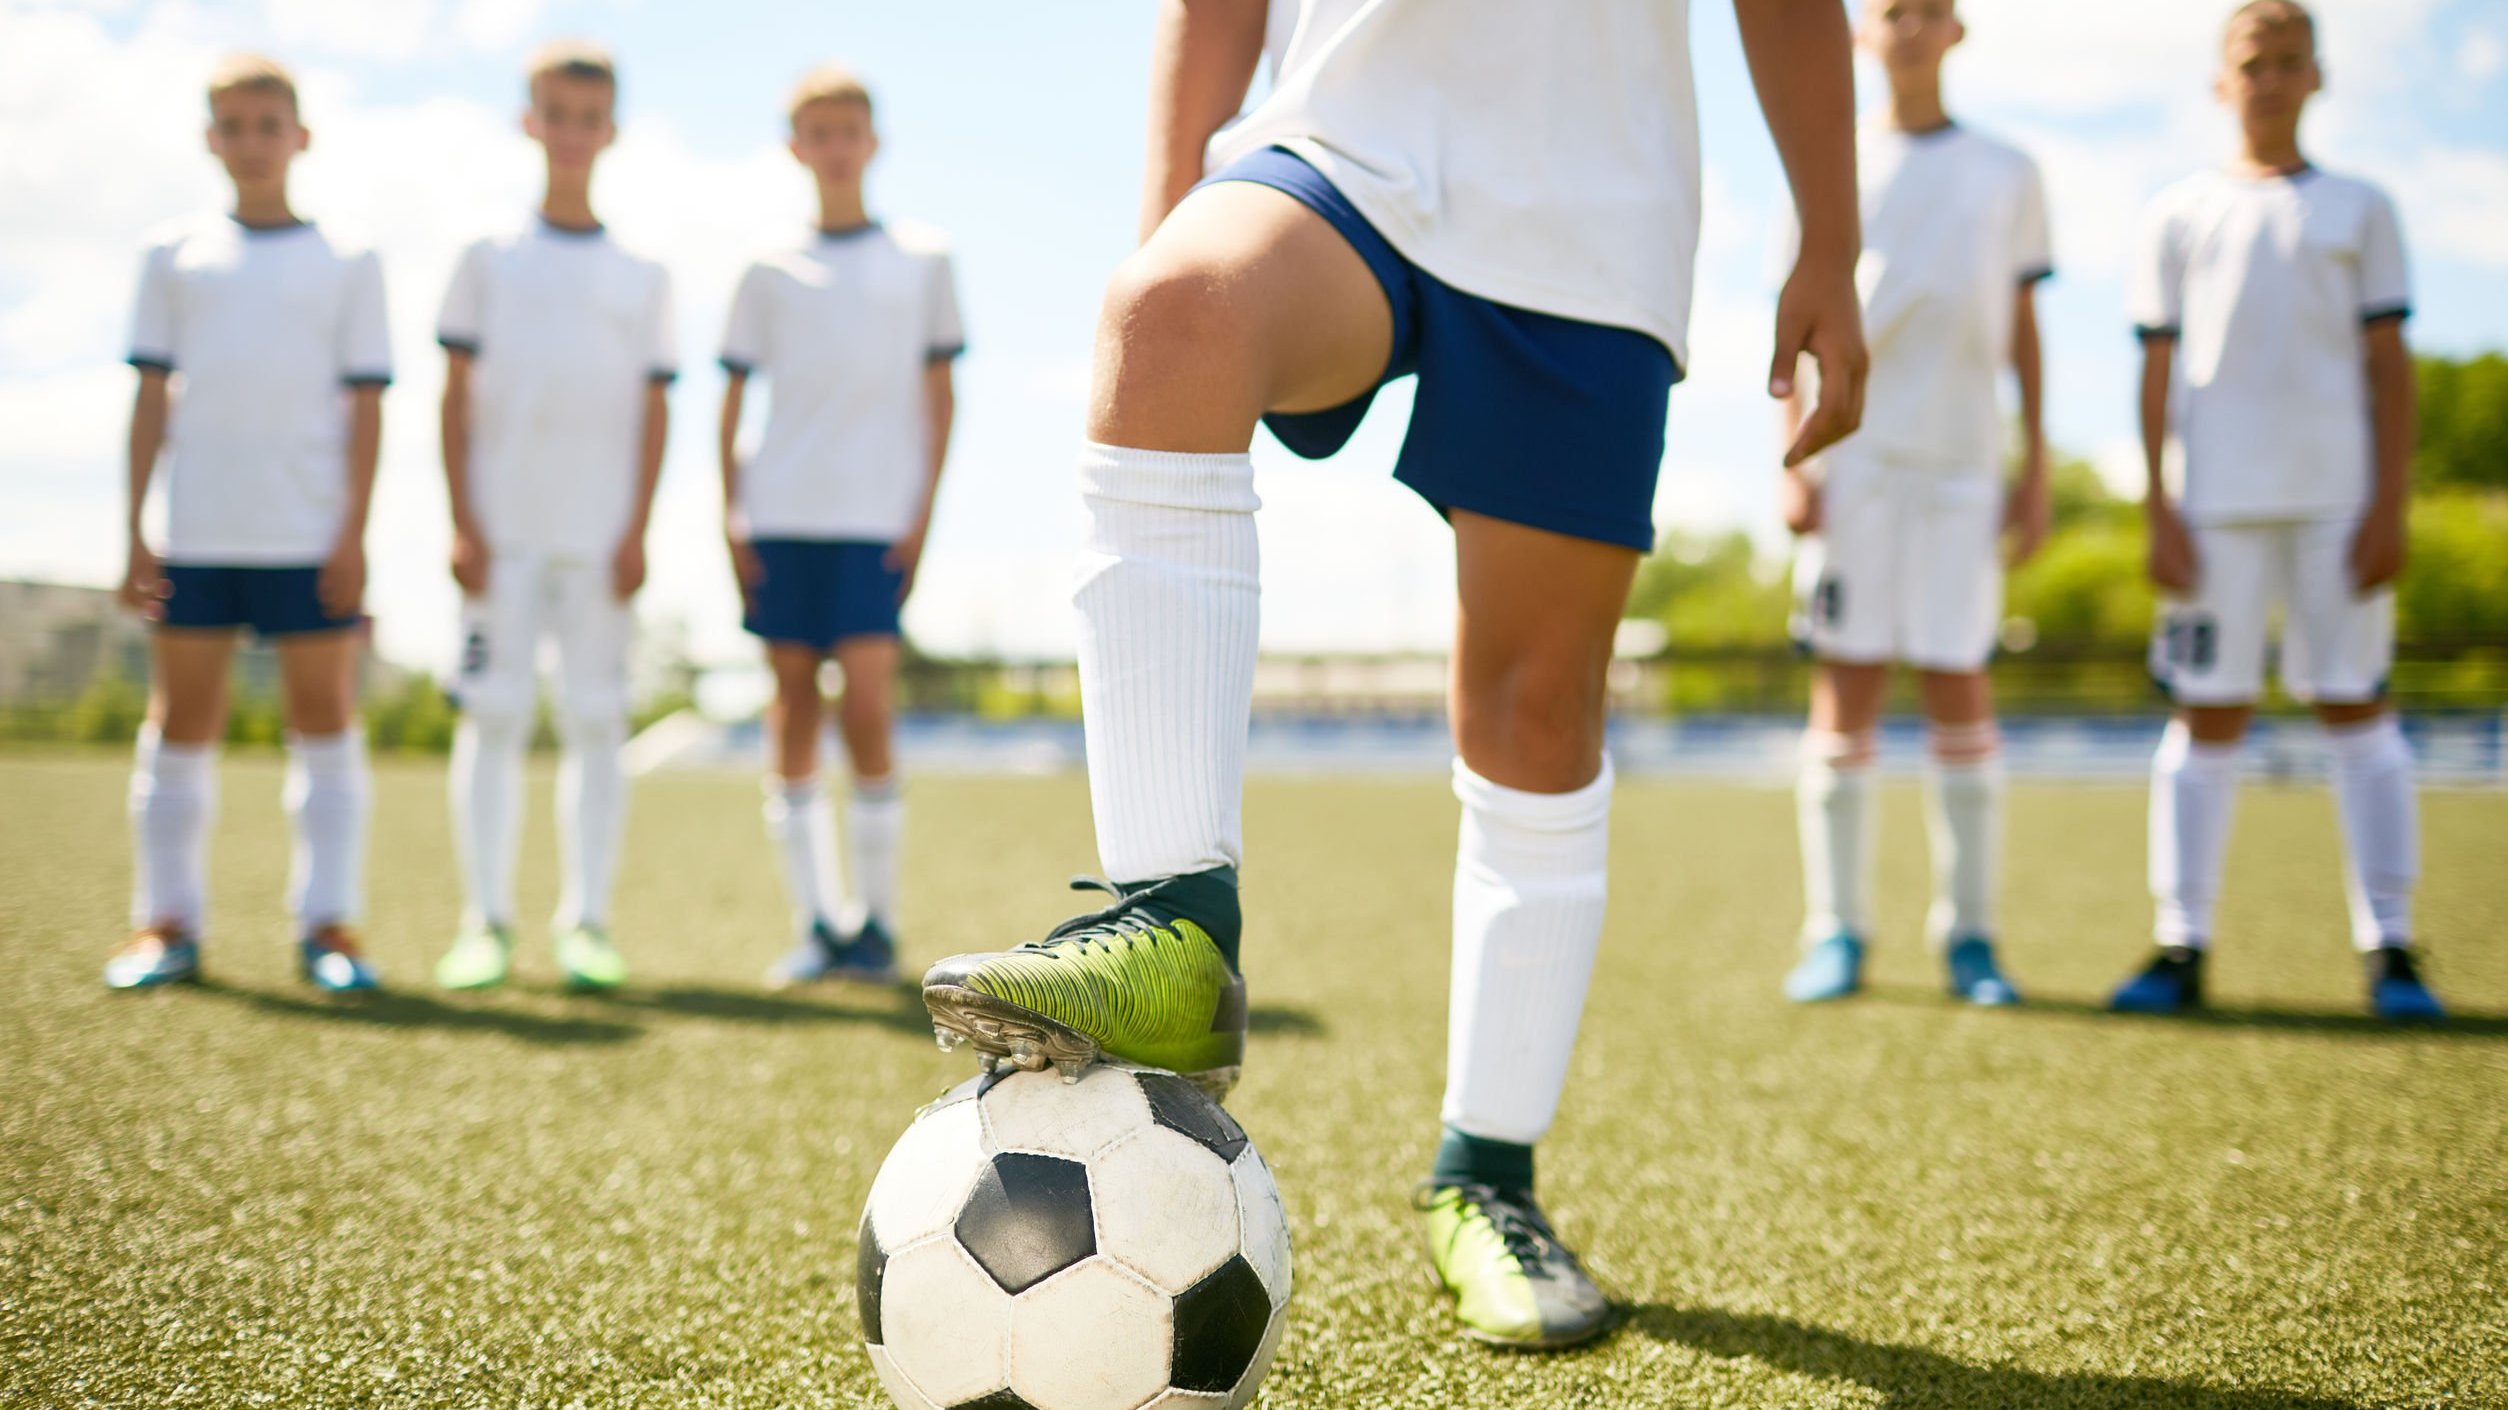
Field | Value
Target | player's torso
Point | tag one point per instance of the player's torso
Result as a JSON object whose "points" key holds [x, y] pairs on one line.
{"points": [[258, 317]]}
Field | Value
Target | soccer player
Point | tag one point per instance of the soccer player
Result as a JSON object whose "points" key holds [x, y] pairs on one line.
{"points": [[1502, 199], [262, 356], [1900, 559], [856, 326], [559, 352], [2277, 425]]}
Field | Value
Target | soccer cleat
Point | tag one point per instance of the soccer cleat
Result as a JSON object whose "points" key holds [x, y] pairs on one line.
{"points": [[160, 954], [1975, 976], [1138, 981], [329, 960], [1832, 969], [2172, 982], [1514, 1284], [868, 956], [589, 960], [2396, 993], [478, 960]]}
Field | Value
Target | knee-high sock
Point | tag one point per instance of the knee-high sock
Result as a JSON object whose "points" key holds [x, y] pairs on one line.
{"points": [[591, 817], [485, 784], [1529, 886], [2193, 785], [1964, 820], [875, 825], [173, 800], [1840, 826], [2373, 791], [1170, 600], [328, 795], [803, 825]]}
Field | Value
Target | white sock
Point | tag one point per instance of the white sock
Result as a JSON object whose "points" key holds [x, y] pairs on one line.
{"points": [[803, 825], [1840, 826], [328, 795], [1529, 886], [2193, 785], [591, 818], [2373, 792], [875, 825], [1170, 597], [485, 784], [173, 800], [1964, 822]]}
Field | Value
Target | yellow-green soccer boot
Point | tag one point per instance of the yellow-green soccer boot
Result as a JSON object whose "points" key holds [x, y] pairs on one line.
{"points": [[1145, 980], [1514, 1284]]}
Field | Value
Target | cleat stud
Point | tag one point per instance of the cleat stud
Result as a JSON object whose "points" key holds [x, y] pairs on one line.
{"points": [[1070, 1068]]}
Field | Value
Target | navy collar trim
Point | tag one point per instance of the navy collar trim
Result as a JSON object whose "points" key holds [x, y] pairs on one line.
{"points": [[848, 232], [281, 228], [577, 232]]}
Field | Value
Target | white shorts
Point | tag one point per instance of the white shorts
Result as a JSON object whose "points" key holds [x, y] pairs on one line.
{"points": [[1907, 567], [533, 601], [2337, 646]]}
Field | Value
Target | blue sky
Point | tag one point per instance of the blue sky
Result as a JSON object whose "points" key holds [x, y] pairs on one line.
{"points": [[1017, 129]]}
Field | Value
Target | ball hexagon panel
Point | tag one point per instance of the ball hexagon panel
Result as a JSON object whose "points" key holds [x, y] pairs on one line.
{"points": [[1221, 1323], [947, 1325], [1038, 1111], [1263, 1223], [898, 1387], [1027, 1218], [1125, 1325], [1188, 1400], [1251, 1383], [1166, 1207], [998, 1400], [926, 1176], [1178, 1105]]}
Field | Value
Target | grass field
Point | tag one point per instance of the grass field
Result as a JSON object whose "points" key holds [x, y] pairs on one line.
{"points": [[243, 1195]]}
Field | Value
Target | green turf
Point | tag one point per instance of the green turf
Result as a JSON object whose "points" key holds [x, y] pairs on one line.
{"points": [[244, 1195]]}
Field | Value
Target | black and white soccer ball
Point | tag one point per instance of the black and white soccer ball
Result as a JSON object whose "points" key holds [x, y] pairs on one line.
{"points": [[1110, 1244]]}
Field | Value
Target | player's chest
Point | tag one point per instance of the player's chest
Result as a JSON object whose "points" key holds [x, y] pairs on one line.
{"points": [[566, 295], [250, 284]]}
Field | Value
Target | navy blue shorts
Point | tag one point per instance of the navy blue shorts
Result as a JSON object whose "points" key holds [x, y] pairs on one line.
{"points": [[1522, 416], [271, 601], [817, 592]]}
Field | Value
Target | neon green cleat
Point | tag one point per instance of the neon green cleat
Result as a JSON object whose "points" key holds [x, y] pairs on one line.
{"points": [[589, 959], [479, 958], [1515, 1285], [1140, 982]]}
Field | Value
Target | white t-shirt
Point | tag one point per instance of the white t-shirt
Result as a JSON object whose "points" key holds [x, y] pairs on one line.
{"points": [[1954, 222], [1540, 156], [568, 328], [842, 326], [264, 329], [2266, 284]]}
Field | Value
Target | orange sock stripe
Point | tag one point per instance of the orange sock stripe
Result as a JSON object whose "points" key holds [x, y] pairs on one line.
{"points": [[1841, 750], [1965, 744]]}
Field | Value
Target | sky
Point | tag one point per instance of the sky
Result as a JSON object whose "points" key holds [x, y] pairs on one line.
{"points": [[1017, 128]]}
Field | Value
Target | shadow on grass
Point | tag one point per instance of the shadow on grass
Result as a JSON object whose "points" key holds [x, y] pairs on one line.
{"points": [[2259, 1016], [898, 1007], [1909, 1377], [1289, 1022], [393, 1008]]}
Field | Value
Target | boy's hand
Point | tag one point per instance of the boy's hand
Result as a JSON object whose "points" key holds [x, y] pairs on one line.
{"points": [[143, 582], [627, 567], [905, 556], [2173, 565], [470, 562], [1798, 499], [2027, 515], [1818, 314], [2377, 550], [748, 569], [342, 583]]}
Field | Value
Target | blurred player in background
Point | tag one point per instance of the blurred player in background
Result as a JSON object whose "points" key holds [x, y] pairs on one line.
{"points": [[1503, 199], [559, 348], [275, 333], [1902, 560], [855, 325], [2277, 424]]}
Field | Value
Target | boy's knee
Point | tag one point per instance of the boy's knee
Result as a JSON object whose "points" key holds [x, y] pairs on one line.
{"points": [[1537, 727], [1159, 304]]}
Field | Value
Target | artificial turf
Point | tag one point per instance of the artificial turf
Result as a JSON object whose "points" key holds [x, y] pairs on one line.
{"points": [[243, 1194]]}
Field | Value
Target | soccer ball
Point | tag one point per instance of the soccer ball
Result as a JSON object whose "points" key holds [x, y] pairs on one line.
{"points": [[1110, 1244]]}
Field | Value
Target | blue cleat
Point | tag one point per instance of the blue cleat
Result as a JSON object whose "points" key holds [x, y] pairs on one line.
{"points": [[1976, 978], [1832, 969], [158, 955], [329, 961], [867, 956], [2171, 983], [2396, 993]]}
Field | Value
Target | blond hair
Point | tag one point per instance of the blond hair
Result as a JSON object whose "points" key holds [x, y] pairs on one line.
{"points": [[2271, 16], [572, 58], [828, 83], [252, 73]]}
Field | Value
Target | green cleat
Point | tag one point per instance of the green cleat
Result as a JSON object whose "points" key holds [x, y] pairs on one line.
{"points": [[1515, 1285], [478, 960], [1140, 982], [589, 959]]}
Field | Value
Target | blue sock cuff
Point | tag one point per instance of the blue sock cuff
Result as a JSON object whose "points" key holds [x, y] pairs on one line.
{"points": [[1464, 1159]]}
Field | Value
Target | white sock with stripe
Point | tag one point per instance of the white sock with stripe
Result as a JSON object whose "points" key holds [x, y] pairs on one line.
{"points": [[2373, 793], [1835, 813], [803, 826], [173, 801], [2193, 786], [1964, 823], [329, 794]]}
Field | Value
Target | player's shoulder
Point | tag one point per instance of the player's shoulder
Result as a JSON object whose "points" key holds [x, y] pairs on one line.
{"points": [[344, 244], [916, 239], [171, 236], [2320, 185], [1988, 149], [2190, 194]]}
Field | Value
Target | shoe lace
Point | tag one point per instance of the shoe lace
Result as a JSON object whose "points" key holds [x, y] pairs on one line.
{"points": [[1517, 1221], [1124, 922]]}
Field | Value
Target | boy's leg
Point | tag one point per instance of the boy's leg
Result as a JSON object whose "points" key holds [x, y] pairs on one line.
{"points": [[798, 816], [594, 634], [174, 779], [2374, 795], [875, 812], [1836, 807], [496, 685], [328, 797], [1964, 786]]}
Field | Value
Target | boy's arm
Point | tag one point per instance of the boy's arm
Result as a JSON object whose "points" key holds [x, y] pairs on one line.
{"points": [[342, 585], [141, 577], [627, 563], [940, 409], [2025, 509], [1201, 63], [2377, 550], [1801, 64], [2172, 557], [746, 570], [470, 548]]}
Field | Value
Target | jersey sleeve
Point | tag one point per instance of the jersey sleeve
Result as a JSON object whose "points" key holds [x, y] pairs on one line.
{"points": [[661, 329], [152, 313], [2385, 282], [458, 322], [365, 331], [2033, 252], [944, 334], [745, 331], [2157, 294]]}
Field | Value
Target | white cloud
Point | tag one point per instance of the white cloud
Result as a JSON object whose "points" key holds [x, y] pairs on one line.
{"points": [[2455, 202], [2481, 55], [371, 29]]}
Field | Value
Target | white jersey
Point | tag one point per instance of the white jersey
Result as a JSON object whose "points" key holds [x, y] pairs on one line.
{"points": [[568, 328], [1954, 222], [2266, 284], [266, 328], [1540, 156], [842, 325]]}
